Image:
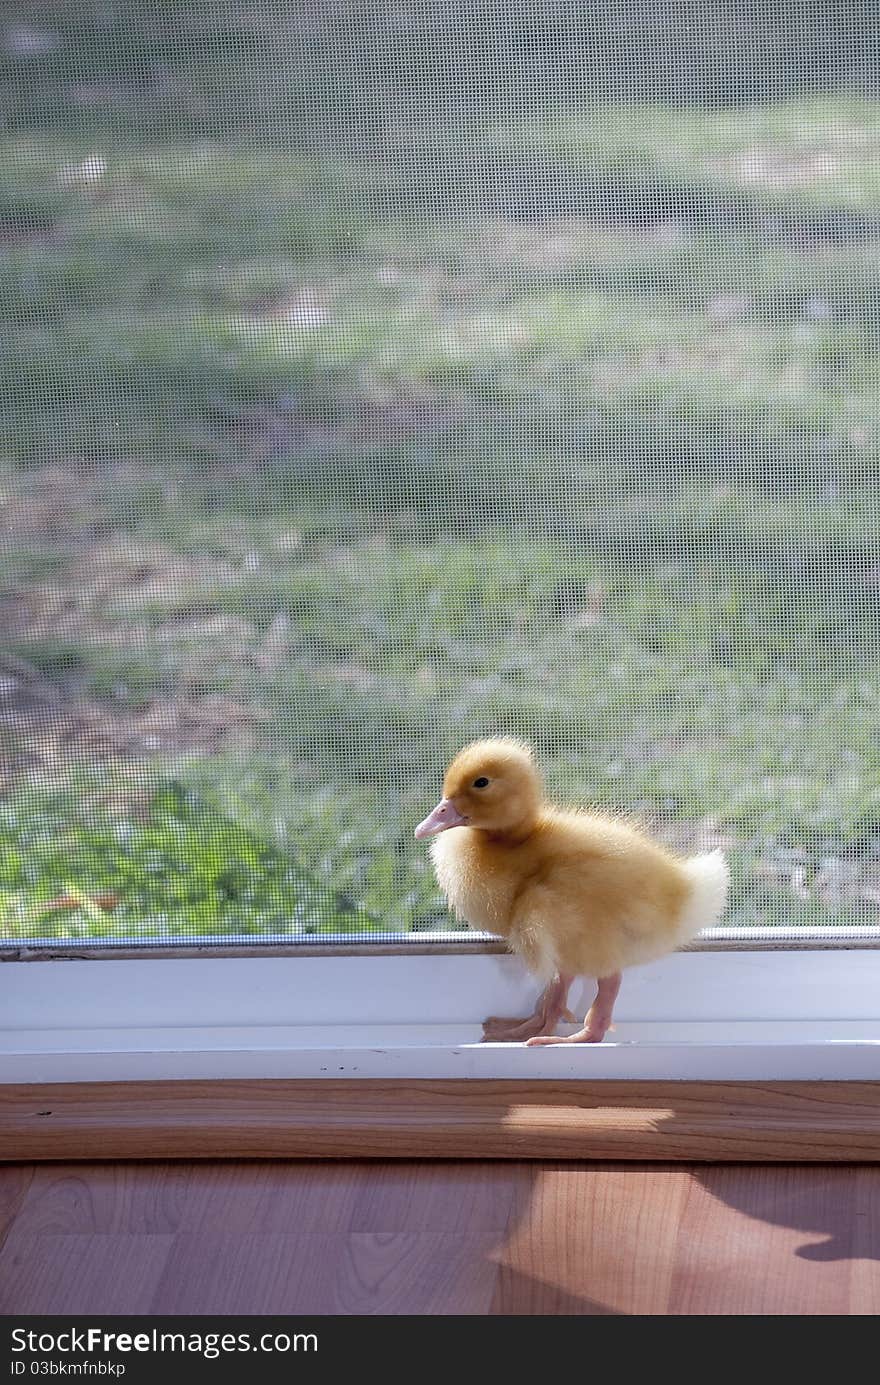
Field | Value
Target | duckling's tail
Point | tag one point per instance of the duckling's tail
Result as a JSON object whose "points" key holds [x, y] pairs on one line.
{"points": [[709, 877]]}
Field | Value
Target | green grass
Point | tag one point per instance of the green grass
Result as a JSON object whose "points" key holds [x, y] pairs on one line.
{"points": [[98, 857], [817, 152], [348, 419]]}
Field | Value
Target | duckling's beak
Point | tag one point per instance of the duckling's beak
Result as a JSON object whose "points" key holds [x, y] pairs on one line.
{"points": [[444, 815]]}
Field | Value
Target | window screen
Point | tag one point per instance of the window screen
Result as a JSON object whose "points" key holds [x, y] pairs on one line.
{"points": [[379, 376]]}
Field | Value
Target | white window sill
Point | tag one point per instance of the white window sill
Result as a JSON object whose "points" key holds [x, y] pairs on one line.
{"points": [[726, 1051], [731, 1016]]}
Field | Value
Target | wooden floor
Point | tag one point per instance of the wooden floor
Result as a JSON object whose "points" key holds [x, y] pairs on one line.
{"points": [[401, 1238]]}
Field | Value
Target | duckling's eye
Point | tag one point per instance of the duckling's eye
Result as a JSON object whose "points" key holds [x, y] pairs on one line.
{"points": [[481, 783]]}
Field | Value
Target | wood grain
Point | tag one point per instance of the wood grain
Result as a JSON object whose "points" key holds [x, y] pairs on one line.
{"points": [[865, 1265], [439, 1196], [150, 1198], [474, 1238], [15, 1182], [80, 1274], [364, 1273], [759, 1241], [593, 1242], [695, 1121]]}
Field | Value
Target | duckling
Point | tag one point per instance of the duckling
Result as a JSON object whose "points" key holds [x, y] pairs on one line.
{"points": [[575, 893]]}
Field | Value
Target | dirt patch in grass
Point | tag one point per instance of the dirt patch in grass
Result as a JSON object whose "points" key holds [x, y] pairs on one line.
{"points": [[47, 717], [45, 730], [385, 412]]}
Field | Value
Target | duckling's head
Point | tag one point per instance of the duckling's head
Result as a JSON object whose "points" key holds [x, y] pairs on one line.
{"points": [[493, 786]]}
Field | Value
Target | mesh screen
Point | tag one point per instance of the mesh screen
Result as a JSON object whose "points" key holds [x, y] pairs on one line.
{"points": [[378, 376]]}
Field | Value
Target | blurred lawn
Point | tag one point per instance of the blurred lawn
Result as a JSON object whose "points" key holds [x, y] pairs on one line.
{"points": [[372, 382]]}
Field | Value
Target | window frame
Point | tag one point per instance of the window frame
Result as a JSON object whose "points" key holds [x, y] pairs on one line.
{"points": [[447, 942], [113, 1077], [720, 1011]]}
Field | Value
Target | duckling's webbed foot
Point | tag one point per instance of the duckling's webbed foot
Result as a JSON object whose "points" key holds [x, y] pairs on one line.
{"points": [[549, 1010], [597, 1022], [503, 1029]]}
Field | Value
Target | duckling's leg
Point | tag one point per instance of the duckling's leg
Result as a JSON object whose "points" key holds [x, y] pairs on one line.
{"points": [[550, 1008], [597, 1022]]}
